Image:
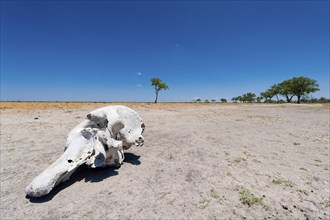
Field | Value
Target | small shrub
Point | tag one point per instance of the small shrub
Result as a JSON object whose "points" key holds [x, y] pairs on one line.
{"points": [[205, 203], [326, 203], [215, 194], [247, 198], [239, 159], [281, 181], [303, 192]]}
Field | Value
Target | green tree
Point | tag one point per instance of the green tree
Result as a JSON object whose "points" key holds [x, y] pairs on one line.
{"points": [[234, 99], [249, 97], [274, 90], [259, 98], [268, 95], [213, 100], [323, 100], [302, 86], [223, 100], [159, 85], [240, 98], [285, 89]]}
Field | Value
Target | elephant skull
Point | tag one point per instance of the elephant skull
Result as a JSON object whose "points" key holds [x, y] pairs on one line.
{"points": [[98, 141]]}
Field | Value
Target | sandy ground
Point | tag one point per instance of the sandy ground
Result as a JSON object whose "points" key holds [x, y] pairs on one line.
{"points": [[199, 161]]}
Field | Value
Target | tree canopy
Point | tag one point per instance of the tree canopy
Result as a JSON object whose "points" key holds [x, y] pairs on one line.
{"points": [[297, 86], [302, 86], [159, 85], [274, 90], [223, 100]]}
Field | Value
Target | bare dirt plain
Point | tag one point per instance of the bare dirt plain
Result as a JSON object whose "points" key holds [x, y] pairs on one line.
{"points": [[199, 161]]}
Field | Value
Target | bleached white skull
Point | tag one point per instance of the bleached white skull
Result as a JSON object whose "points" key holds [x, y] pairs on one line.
{"points": [[98, 141], [127, 126]]}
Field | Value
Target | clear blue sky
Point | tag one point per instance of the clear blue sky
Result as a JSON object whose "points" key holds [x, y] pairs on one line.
{"points": [[109, 50]]}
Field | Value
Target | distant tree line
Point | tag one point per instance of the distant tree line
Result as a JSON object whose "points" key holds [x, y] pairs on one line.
{"points": [[223, 100], [299, 87], [247, 97]]}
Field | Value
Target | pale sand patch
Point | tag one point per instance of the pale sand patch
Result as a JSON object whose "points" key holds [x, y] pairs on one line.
{"points": [[196, 160]]}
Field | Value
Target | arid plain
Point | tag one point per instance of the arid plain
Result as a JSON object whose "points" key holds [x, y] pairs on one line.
{"points": [[199, 161]]}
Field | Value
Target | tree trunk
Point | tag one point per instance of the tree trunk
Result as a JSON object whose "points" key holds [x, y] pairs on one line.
{"points": [[288, 99], [156, 97], [277, 98], [291, 98], [298, 96]]}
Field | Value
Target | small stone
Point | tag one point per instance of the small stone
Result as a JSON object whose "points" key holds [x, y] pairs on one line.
{"points": [[285, 207]]}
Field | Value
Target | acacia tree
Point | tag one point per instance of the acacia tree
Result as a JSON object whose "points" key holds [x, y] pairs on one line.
{"points": [[268, 95], [285, 89], [259, 98], [297, 86], [274, 90], [249, 97], [302, 86], [324, 100], [223, 100], [234, 99], [159, 85]]}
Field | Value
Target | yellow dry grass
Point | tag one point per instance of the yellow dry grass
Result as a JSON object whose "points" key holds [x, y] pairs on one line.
{"points": [[73, 105], [55, 105], [70, 105]]}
